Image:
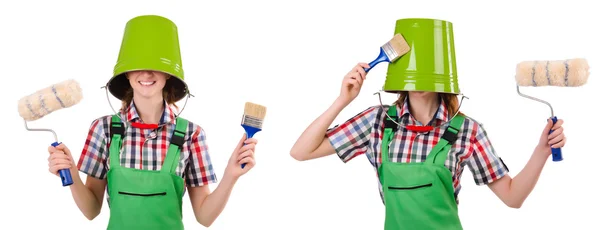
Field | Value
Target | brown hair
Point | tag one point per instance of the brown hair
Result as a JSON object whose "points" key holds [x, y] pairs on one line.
{"points": [[168, 95], [450, 100]]}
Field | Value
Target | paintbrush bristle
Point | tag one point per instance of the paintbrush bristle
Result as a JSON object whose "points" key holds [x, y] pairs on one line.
{"points": [[254, 114], [396, 47], [255, 110]]}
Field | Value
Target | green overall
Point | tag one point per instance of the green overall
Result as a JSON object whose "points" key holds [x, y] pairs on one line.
{"points": [[419, 196], [145, 199]]}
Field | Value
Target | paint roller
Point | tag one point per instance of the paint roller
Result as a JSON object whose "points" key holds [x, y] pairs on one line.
{"points": [[45, 101], [559, 73]]}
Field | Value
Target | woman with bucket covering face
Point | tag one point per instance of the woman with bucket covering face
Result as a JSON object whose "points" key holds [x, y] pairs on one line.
{"points": [[419, 148], [145, 155]]}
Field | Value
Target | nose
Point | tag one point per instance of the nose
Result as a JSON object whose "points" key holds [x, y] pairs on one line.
{"points": [[147, 72]]}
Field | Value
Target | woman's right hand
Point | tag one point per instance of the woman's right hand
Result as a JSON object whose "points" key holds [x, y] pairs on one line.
{"points": [[353, 82], [60, 158]]}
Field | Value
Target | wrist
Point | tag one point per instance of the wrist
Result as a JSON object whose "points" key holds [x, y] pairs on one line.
{"points": [[74, 173], [340, 102], [77, 181], [542, 152], [229, 179]]}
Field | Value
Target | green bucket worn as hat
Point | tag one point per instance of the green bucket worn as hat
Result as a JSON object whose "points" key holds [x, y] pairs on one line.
{"points": [[149, 42], [430, 65]]}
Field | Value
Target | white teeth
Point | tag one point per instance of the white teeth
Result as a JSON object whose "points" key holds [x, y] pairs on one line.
{"points": [[147, 82]]}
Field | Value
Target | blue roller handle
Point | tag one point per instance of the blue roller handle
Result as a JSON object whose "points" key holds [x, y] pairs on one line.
{"points": [[381, 58], [250, 131], [65, 174], [556, 152]]}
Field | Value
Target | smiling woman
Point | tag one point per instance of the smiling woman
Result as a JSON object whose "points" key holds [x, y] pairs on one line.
{"points": [[145, 156], [147, 83], [420, 145]]}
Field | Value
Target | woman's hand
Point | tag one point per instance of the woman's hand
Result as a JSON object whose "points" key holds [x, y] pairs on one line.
{"points": [[353, 82], [556, 139], [60, 158], [243, 154]]}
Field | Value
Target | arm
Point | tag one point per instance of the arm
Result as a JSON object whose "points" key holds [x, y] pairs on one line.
{"points": [[208, 206], [513, 192], [89, 196], [313, 143]]}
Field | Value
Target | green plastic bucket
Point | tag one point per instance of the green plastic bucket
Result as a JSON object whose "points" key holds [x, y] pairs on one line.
{"points": [[430, 65], [149, 42]]}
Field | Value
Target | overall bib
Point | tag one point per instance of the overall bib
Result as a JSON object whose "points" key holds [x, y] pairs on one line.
{"points": [[145, 199], [419, 196]]}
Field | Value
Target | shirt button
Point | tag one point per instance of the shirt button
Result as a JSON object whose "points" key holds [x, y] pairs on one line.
{"points": [[152, 135]]}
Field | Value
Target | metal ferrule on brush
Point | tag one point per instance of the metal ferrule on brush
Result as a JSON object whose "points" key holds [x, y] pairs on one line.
{"points": [[252, 121], [389, 51]]}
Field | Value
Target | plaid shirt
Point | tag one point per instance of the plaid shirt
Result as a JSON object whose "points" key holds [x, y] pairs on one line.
{"points": [[363, 134], [146, 148]]}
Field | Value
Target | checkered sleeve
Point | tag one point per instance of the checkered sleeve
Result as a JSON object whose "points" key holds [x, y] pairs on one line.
{"points": [[484, 164], [199, 171], [92, 160], [351, 138]]}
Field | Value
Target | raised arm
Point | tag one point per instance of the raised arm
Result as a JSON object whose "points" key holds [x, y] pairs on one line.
{"points": [[313, 142]]}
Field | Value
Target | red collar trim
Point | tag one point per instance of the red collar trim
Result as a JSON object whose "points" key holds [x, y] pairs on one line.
{"points": [[144, 126], [417, 128]]}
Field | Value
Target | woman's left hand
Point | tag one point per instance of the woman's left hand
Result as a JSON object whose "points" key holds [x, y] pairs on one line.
{"points": [[556, 139], [243, 154]]}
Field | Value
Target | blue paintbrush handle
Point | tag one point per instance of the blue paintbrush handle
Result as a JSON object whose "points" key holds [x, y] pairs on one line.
{"points": [[65, 174], [381, 58], [250, 131], [556, 152]]}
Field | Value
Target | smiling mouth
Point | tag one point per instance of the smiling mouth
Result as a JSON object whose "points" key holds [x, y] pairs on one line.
{"points": [[146, 83]]}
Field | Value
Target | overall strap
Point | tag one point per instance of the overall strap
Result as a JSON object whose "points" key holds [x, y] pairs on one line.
{"points": [[388, 133], [439, 153], [176, 143], [117, 132]]}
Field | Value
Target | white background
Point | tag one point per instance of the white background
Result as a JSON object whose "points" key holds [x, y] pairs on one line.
{"points": [[291, 57]]}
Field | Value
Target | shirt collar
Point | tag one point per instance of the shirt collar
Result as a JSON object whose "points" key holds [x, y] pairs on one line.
{"points": [[167, 117], [441, 114]]}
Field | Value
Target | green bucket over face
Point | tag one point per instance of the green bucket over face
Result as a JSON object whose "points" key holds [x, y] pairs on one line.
{"points": [[149, 42], [430, 65]]}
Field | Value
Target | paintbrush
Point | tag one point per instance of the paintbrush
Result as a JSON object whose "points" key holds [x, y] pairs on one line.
{"points": [[390, 51], [252, 121]]}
